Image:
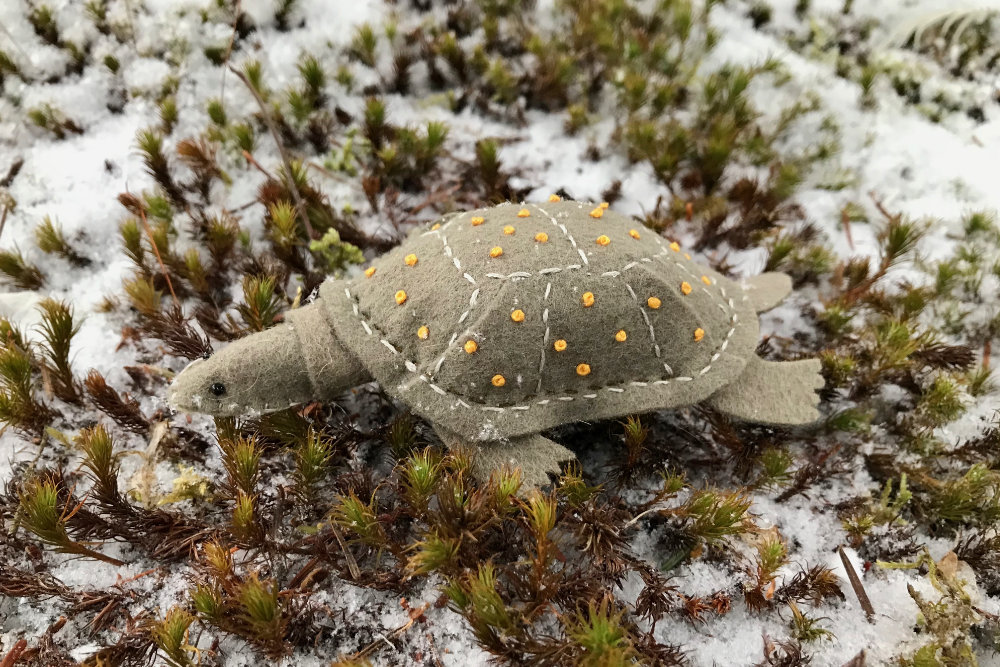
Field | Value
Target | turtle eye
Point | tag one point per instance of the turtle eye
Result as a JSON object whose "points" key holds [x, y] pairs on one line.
{"points": [[217, 389]]}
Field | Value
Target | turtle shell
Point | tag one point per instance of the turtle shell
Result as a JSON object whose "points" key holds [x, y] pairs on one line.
{"points": [[508, 320]]}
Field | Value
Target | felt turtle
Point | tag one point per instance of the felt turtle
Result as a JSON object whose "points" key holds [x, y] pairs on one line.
{"points": [[499, 323]]}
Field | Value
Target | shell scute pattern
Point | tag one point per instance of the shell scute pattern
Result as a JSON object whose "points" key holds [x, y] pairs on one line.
{"points": [[462, 293], [467, 295]]}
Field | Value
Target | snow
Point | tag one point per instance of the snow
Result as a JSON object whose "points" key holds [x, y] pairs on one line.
{"points": [[929, 171]]}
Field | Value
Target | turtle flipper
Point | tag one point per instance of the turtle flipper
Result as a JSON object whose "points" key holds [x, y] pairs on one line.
{"points": [[534, 454], [772, 392], [767, 290]]}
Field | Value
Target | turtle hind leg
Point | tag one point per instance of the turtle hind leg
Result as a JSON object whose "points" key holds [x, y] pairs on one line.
{"points": [[772, 392], [534, 454]]}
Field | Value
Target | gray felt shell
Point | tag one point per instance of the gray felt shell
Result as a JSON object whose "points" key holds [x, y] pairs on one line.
{"points": [[698, 339]]}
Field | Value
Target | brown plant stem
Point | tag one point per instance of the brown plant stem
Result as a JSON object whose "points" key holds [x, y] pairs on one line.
{"points": [[300, 206]]}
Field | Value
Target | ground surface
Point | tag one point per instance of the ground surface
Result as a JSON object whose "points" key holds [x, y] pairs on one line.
{"points": [[931, 161]]}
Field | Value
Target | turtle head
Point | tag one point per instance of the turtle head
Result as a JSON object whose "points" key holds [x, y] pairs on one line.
{"points": [[257, 374]]}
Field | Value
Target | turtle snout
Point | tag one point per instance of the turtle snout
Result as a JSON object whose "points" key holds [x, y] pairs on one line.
{"points": [[187, 389]]}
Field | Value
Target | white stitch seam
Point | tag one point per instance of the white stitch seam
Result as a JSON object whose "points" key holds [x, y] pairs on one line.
{"points": [[565, 231], [545, 338], [410, 366]]}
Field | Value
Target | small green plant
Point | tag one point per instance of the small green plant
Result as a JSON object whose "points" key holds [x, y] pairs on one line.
{"points": [[886, 511], [714, 515], [973, 498], [102, 463], [313, 460], [433, 554], [364, 44], [53, 120], [357, 517], [18, 272], [807, 629], [333, 255], [475, 596], [601, 636], [41, 514], [168, 114], [949, 621], [19, 407], [170, 634], [421, 474], [401, 436], [260, 303], [50, 239], [241, 460], [57, 329], [260, 609], [245, 526]]}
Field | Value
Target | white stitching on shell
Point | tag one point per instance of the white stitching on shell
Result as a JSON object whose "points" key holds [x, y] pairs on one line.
{"points": [[565, 232], [454, 334], [407, 364], [411, 366], [573, 267], [652, 332], [545, 338], [516, 274]]}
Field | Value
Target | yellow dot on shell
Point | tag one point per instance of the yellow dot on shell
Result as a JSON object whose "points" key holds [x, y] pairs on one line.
{"points": [[410, 260], [597, 212], [653, 302], [509, 230], [470, 346], [423, 333], [496, 251], [706, 280], [621, 336], [675, 246], [699, 333], [633, 233], [523, 213], [687, 256], [559, 345], [517, 315], [369, 272], [603, 240], [400, 297], [542, 237], [554, 198], [587, 299], [605, 204], [476, 221], [686, 287], [498, 380], [583, 369], [437, 225]]}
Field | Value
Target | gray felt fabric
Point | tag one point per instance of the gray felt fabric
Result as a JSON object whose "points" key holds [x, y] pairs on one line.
{"points": [[767, 290], [260, 373], [461, 293], [536, 456], [773, 392], [579, 313], [331, 368]]}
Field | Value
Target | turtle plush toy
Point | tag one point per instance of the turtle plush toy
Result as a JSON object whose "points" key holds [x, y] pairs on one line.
{"points": [[499, 323]]}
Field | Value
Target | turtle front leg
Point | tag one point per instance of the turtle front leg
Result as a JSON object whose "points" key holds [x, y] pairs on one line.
{"points": [[772, 392], [534, 454]]}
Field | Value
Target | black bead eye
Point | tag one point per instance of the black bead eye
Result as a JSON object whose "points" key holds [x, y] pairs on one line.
{"points": [[206, 355], [217, 388]]}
